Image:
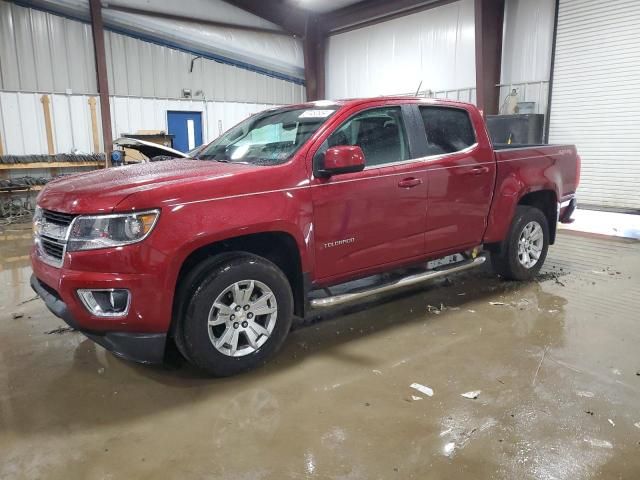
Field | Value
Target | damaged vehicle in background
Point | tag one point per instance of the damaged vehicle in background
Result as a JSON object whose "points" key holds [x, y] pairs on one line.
{"points": [[151, 151], [287, 213]]}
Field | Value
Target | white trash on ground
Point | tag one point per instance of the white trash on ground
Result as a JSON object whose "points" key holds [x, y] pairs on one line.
{"points": [[472, 394], [449, 448], [584, 393], [422, 389], [595, 442]]}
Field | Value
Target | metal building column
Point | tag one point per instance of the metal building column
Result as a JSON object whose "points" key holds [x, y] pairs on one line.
{"points": [[489, 16], [97, 30], [314, 62]]}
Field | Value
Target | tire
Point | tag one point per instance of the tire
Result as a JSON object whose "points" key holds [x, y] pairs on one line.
{"points": [[510, 262], [221, 340]]}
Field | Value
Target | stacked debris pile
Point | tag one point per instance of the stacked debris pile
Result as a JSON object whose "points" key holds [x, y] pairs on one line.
{"points": [[58, 158], [23, 182]]}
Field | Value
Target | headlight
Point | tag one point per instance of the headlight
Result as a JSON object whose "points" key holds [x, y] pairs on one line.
{"points": [[37, 220], [102, 231]]}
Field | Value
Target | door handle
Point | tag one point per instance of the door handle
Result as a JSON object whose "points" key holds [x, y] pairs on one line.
{"points": [[409, 182], [478, 170]]}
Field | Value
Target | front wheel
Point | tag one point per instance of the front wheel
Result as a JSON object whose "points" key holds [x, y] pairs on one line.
{"points": [[524, 251], [238, 315]]}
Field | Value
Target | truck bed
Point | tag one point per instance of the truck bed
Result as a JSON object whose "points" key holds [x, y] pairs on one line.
{"points": [[526, 169], [512, 146]]}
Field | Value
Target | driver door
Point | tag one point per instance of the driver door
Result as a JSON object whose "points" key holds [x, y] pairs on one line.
{"points": [[374, 217]]}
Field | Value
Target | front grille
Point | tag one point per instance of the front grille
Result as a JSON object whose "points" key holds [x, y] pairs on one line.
{"points": [[52, 231], [52, 247], [57, 218]]}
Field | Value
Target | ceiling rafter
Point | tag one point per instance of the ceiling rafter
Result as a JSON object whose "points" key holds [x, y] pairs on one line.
{"points": [[287, 16], [368, 12]]}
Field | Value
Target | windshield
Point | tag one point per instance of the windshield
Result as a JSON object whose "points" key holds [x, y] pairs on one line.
{"points": [[268, 138]]}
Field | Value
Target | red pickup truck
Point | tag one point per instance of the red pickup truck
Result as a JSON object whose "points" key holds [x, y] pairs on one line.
{"points": [[217, 253]]}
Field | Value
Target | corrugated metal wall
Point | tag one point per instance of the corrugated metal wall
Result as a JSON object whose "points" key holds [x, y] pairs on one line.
{"points": [[526, 50], [278, 54], [527, 40], [42, 53], [48, 53], [23, 130], [129, 114], [435, 47], [595, 102], [143, 69]]}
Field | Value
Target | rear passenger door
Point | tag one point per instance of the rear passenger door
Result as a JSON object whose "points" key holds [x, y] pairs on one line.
{"points": [[460, 178], [374, 217]]}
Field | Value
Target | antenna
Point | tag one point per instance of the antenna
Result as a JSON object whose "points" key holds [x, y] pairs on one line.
{"points": [[418, 90]]}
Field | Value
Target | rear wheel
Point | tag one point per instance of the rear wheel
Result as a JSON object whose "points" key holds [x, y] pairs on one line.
{"points": [[238, 315], [524, 251]]}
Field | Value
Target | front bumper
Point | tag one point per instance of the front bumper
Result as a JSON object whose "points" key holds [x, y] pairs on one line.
{"points": [[138, 347], [150, 307]]}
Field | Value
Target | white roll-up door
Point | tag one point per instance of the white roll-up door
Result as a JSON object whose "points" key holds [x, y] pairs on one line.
{"points": [[595, 101]]}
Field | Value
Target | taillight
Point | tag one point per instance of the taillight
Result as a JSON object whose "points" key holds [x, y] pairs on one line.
{"points": [[578, 167]]}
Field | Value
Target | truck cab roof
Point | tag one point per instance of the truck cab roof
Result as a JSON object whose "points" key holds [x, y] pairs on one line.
{"points": [[352, 102]]}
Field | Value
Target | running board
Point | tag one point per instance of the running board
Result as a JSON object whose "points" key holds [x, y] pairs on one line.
{"points": [[415, 279]]}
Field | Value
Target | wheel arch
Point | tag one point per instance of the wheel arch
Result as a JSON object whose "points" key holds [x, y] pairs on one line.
{"points": [[504, 206], [278, 247], [547, 202]]}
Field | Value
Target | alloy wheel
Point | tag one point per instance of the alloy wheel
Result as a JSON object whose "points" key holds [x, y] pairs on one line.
{"points": [[530, 244], [242, 318]]}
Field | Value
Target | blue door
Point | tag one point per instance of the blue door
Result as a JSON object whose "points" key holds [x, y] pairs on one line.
{"points": [[187, 128]]}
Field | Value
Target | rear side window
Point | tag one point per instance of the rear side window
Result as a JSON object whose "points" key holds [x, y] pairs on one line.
{"points": [[448, 129]]}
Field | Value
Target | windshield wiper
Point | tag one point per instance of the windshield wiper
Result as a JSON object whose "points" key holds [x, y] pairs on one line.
{"points": [[213, 158], [223, 160]]}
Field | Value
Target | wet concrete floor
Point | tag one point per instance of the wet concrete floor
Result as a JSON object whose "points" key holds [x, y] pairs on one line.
{"points": [[557, 363]]}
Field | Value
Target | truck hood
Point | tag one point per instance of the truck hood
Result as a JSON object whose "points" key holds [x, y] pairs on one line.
{"points": [[101, 191]]}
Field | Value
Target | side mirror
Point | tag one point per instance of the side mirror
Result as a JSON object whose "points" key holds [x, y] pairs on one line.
{"points": [[341, 159]]}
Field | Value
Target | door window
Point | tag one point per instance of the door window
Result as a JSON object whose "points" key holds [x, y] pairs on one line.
{"points": [[448, 129], [379, 132]]}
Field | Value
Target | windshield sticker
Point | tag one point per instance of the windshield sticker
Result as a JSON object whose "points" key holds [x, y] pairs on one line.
{"points": [[316, 113]]}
